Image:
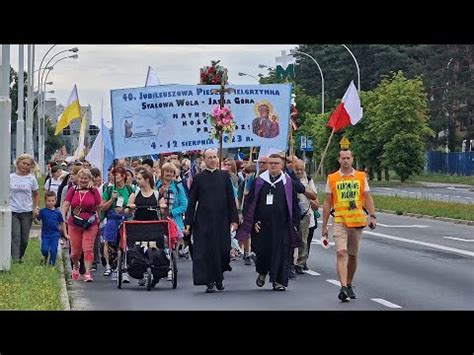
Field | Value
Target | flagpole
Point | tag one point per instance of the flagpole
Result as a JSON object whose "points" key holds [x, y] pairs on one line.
{"points": [[325, 151]]}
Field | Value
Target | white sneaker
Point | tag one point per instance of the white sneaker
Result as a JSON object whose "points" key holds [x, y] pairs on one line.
{"points": [[114, 275], [125, 278], [170, 275], [107, 271]]}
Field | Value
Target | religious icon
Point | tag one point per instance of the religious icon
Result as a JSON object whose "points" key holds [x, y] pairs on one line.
{"points": [[266, 124]]}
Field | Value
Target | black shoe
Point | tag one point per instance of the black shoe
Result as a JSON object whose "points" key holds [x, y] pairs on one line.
{"points": [[220, 286], [350, 292], [299, 270], [305, 267], [253, 256], [247, 260], [343, 296], [291, 273], [210, 287]]}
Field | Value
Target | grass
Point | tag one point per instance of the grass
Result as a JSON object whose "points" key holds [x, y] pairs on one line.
{"points": [[41, 191], [455, 179], [402, 205], [30, 286]]}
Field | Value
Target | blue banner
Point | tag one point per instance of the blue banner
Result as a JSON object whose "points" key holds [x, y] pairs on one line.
{"points": [[174, 118]]}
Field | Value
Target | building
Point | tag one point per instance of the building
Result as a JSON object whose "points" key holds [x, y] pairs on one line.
{"points": [[70, 134]]}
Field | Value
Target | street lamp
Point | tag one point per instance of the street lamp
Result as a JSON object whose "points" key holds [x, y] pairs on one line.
{"points": [[41, 131], [245, 74], [294, 51], [357, 66]]}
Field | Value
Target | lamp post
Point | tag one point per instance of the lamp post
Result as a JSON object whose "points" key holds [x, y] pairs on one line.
{"points": [[294, 51], [30, 102], [20, 123], [245, 74], [42, 130], [357, 66], [5, 154]]}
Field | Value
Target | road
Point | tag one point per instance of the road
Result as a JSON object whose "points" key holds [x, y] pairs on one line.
{"points": [[439, 192], [405, 264]]}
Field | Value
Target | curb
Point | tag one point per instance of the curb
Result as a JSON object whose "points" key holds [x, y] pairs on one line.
{"points": [[64, 294], [443, 219]]}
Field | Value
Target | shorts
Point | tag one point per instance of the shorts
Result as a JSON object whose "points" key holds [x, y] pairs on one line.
{"points": [[347, 238]]}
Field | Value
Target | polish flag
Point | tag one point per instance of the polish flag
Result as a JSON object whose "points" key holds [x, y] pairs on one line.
{"points": [[348, 112]]}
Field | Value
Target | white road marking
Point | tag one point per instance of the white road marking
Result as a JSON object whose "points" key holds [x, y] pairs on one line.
{"points": [[402, 226], [461, 239], [436, 246], [311, 272], [334, 282], [386, 303]]}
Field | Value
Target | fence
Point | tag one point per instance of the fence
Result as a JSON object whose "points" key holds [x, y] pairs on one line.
{"points": [[450, 163]]}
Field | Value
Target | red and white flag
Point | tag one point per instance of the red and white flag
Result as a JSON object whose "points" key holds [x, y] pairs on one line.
{"points": [[348, 112]]}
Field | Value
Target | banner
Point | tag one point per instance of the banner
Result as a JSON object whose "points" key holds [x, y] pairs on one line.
{"points": [[174, 118]]}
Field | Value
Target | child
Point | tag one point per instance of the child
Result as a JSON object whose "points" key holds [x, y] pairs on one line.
{"points": [[50, 233]]}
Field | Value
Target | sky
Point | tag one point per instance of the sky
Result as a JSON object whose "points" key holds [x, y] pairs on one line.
{"points": [[101, 68]]}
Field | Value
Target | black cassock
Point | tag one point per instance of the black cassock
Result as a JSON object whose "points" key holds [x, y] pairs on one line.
{"points": [[272, 243], [213, 194]]}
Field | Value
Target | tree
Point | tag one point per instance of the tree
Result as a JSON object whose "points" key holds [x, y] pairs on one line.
{"points": [[405, 154], [53, 142], [401, 114]]}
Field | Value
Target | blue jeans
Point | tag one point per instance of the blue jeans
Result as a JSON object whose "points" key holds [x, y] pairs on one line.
{"points": [[49, 245]]}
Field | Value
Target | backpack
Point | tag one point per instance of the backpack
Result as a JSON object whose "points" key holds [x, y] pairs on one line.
{"points": [[158, 261], [137, 262]]}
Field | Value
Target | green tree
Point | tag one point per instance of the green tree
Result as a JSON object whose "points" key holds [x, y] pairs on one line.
{"points": [[401, 110], [53, 142], [405, 154]]}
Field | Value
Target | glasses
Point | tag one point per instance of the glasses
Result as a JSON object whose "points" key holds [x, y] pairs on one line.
{"points": [[274, 163]]}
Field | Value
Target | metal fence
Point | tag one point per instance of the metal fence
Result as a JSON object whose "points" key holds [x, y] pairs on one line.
{"points": [[451, 163]]}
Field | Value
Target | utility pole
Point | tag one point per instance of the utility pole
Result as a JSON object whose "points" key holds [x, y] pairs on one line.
{"points": [[5, 159]]}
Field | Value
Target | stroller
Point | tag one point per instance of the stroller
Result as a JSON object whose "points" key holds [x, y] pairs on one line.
{"points": [[152, 263]]}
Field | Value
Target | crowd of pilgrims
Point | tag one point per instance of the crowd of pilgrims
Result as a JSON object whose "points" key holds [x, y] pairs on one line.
{"points": [[264, 212]]}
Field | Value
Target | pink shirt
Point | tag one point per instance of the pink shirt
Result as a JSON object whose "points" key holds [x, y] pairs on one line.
{"points": [[90, 201]]}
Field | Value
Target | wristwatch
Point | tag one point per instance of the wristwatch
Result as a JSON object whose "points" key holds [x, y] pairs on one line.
{"points": [[373, 216]]}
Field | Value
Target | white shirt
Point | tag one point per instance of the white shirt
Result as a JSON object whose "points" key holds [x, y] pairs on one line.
{"points": [[352, 173], [21, 192], [52, 185]]}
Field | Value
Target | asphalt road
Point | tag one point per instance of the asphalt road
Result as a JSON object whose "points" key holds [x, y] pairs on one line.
{"points": [[405, 264]]}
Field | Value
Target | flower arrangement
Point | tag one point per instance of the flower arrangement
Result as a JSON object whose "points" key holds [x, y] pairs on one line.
{"points": [[212, 75], [222, 120]]}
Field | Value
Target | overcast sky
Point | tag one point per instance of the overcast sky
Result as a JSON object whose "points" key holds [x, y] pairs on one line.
{"points": [[101, 68]]}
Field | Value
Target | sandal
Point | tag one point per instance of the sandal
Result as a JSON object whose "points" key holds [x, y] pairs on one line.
{"points": [[278, 287], [260, 280]]}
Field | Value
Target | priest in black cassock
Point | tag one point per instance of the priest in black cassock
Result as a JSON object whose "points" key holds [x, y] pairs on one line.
{"points": [[272, 218], [210, 216]]}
